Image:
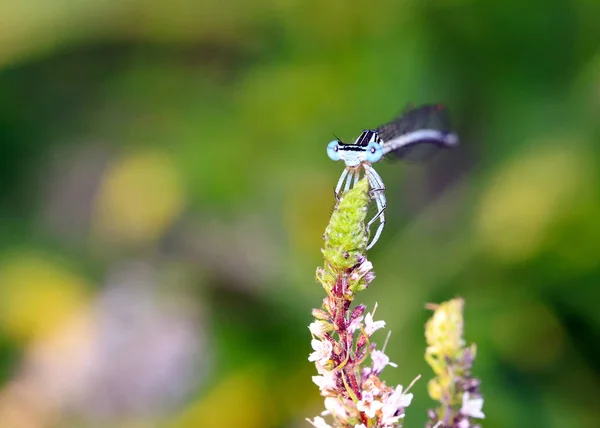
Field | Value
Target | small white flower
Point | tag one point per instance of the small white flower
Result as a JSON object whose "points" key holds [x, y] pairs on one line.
{"points": [[320, 369], [387, 416], [380, 360], [472, 406], [368, 404], [355, 324], [334, 406], [370, 325], [364, 268], [464, 423], [318, 422], [369, 408], [322, 350], [396, 401], [401, 399], [366, 371], [360, 426], [367, 396], [326, 380], [319, 328]]}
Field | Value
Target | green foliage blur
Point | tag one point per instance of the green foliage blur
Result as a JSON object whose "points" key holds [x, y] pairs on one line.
{"points": [[180, 147]]}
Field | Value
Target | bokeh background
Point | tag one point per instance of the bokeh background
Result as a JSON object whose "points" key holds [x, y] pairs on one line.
{"points": [[164, 187]]}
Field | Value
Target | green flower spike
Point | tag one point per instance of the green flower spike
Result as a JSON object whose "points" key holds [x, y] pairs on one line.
{"points": [[346, 240]]}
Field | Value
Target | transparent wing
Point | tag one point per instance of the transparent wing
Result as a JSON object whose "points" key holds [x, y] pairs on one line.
{"points": [[418, 133], [416, 152]]}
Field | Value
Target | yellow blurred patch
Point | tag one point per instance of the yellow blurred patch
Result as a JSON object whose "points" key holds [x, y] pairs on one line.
{"points": [[138, 199], [238, 401], [527, 196], [297, 402], [37, 295]]}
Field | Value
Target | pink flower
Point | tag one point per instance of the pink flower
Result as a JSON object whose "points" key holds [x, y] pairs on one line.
{"points": [[369, 405], [401, 399], [364, 270], [355, 324], [394, 405], [380, 360], [370, 325]]}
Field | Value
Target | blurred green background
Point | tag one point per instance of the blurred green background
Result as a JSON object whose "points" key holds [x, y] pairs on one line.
{"points": [[164, 187]]}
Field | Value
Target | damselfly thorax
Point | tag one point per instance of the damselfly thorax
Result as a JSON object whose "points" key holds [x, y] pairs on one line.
{"points": [[417, 132]]}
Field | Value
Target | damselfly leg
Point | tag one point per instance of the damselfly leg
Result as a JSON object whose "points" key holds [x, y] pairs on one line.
{"points": [[377, 193], [347, 176], [340, 183]]}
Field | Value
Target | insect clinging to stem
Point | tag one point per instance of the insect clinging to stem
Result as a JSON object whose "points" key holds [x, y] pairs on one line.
{"points": [[418, 131]]}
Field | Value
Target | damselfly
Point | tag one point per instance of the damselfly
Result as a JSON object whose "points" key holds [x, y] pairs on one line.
{"points": [[418, 131]]}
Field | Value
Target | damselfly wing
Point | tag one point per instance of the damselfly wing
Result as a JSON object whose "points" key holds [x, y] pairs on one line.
{"points": [[418, 133]]}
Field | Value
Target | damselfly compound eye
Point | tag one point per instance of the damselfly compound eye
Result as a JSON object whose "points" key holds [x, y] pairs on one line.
{"points": [[374, 152], [333, 150]]}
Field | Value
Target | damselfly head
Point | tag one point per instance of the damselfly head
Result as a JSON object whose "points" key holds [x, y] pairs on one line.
{"points": [[366, 148]]}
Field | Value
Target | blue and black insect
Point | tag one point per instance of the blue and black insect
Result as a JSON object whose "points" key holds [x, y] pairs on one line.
{"points": [[417, 133]]}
